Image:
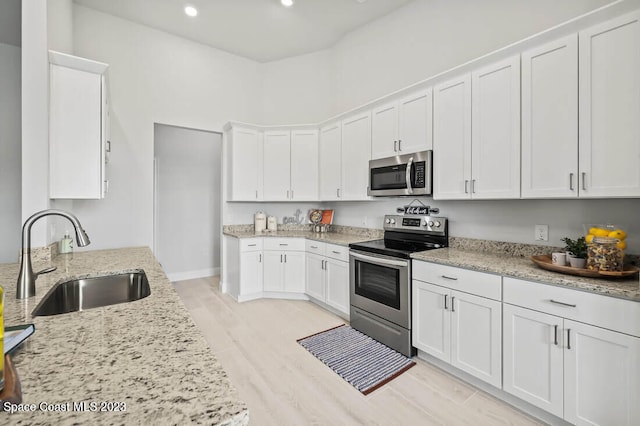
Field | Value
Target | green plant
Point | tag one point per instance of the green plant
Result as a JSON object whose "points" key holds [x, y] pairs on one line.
{"points": [[577, 247]]}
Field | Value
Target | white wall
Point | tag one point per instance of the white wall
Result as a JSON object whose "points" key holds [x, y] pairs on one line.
{"points": [[154, 77], [427, 37], [60, 25], [10, 153], [188, 197]]}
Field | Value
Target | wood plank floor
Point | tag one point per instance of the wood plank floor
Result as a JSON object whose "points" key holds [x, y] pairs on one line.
{"points": [[283, 384]]}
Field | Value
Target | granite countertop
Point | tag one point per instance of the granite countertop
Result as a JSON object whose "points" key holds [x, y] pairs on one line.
{"points": [[147, 354], [343, 239], [523, 267]]}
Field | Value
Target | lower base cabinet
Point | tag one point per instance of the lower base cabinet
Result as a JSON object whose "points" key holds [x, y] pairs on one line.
{"points": [[459, 328], [583, 373], [327, 275]]}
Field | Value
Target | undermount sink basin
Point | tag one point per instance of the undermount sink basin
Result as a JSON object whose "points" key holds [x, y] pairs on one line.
{"points": [[87, 293]]}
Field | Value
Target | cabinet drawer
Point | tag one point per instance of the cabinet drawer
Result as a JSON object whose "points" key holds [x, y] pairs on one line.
{"points": [[284, 244], [337, 252], [473, 282], [595, 309], [250, 244], [315, 247]]}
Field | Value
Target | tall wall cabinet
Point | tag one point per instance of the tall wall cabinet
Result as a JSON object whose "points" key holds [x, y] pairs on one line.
{"points": [[78, 127]]}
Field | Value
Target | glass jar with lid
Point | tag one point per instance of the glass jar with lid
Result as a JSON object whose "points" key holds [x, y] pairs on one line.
{"points": [[604, 254]]}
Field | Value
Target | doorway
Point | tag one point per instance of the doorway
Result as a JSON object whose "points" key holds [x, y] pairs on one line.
{"points": [[187, 197]]}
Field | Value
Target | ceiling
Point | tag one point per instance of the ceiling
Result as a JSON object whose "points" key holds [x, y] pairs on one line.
{"points": [[262, 30]]}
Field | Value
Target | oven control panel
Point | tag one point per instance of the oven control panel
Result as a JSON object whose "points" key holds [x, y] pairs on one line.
{"points": [[416, 223]]}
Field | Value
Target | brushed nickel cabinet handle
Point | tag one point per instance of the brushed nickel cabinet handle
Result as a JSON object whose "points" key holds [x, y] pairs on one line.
{"points": [[571, 181], [336, 252], [285, 258], [280, 258], [395, 146], [555, 335], [584, 181], [473, 186], [453, 306], [251, 245], [256, 194], [260, 258], [399, 144], [569, 338], [314, 247], [563, 303], [466, 186], [449, 278], [445, 302]]}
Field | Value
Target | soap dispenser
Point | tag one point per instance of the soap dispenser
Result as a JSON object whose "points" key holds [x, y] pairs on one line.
{"points": [[66, 243]]}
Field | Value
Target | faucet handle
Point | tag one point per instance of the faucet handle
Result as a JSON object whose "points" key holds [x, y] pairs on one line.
{"points": [[46, 270]]}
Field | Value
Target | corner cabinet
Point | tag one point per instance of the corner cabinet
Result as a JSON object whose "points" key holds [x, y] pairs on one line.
{"points": [[457, 318], [78, 127]]}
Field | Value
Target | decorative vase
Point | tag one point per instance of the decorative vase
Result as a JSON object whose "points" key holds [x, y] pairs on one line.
{"points": [[577, 262]]}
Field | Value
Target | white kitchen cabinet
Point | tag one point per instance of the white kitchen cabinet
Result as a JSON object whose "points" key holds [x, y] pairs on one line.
{"points": [[276, 165], [452, 139], [290, 165], [356, 153], [78, 127], [245, 264], [327, 275], [495, 130], [403, 126], [245, 151], [304, 165], [574, 354], [609, 132], [477, 134], [330, 162], [284, 265], [550, 120], [455, 326], [533, 357]]}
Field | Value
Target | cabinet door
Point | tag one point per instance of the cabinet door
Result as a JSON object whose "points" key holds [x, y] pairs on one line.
{"points": [[277, 166], [384, 131], [315, 281], [495, 118], [246, 164], [330, 162], [76, 145], [273, 279], [415, 125], [601, 376], [532, 356], [609, 108], [431, 320], [250, 272], [452, 139], [337, 280], [304, 165], [550, 120], [294, 275], [476, 336], [356, 153]]}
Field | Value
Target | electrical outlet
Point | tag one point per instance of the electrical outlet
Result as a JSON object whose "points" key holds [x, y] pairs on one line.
{"points": [[541, 233]]}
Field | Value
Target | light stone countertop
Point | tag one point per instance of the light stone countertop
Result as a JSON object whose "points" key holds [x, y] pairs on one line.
{"points": [[524, 268], [342, 239], [148, 353]]}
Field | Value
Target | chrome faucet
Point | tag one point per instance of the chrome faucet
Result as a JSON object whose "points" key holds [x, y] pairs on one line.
{"points": [[27, 278]]}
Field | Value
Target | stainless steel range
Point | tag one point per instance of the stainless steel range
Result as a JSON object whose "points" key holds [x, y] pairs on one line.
{"points": [[380, 277]]}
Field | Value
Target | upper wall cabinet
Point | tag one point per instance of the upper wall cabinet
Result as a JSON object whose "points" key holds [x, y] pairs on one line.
{"points": [[330, 161], [356, 153], [402, 127], [477, 134], [245, 150], [78, 128], [290, 165], [610, 108], [550, 120]]}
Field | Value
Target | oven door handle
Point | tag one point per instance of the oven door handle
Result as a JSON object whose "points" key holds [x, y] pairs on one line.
{"points": [[408, 176], [379, 260]]}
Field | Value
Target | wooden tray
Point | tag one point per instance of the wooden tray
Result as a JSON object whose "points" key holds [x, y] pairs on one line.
{"points": [[544, 261], [12, 391]]}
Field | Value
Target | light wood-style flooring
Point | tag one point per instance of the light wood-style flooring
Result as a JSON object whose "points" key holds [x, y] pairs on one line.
{"points": [[283, 384]]}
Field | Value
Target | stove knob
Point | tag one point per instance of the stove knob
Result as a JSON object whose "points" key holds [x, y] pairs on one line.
{"points": [[430, 223], [437, 224], [387, 221], [393, 221], [424, 223]]}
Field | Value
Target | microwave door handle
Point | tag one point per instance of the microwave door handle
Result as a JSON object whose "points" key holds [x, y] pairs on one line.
{"points": [[408, 175], [381, 261]]}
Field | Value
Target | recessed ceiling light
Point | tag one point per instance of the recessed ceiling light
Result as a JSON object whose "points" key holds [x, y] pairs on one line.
{"points": [[287, 3], [191, 11]]}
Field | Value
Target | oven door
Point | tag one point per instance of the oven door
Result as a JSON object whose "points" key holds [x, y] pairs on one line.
{"points": [[380, 285]]}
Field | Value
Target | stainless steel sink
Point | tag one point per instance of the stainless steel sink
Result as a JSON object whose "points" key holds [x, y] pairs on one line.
{"points": [[94, 292]]}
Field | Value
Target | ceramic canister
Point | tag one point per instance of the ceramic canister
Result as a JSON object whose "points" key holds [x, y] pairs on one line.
{"points": [[272, 225], [260, 221]]}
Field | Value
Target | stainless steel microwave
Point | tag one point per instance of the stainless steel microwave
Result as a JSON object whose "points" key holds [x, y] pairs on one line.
{"points": [[408, 174]]}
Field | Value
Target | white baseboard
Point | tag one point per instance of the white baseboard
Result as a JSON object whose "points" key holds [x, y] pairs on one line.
{"points": [[189, 275]]}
